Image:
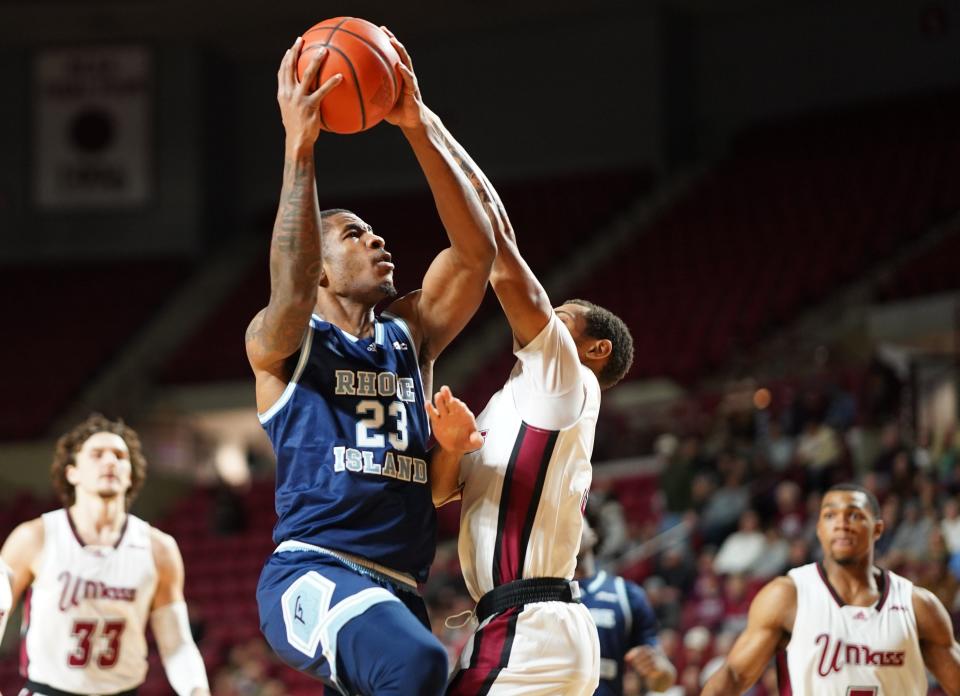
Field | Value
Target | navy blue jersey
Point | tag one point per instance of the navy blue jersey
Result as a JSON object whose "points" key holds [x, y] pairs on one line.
{"points": [[350, 435], [624, 620]]}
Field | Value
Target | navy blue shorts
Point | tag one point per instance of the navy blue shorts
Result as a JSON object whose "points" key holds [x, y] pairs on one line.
{"points": [[359, 633]]}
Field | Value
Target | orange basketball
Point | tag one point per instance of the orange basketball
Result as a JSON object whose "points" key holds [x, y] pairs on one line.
{"points": [[363, 54]]}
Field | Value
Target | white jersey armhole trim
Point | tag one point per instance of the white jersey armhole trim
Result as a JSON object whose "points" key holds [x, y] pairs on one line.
{"points": [[292, 384], [621, 587]]}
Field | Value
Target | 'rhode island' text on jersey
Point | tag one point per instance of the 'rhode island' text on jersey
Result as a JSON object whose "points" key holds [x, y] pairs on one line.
{"points": [[837, 649], [350, 434]]}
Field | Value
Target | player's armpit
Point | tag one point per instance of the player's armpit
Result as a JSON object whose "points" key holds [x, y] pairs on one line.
{"points": [[940, 650], [771, 616]]}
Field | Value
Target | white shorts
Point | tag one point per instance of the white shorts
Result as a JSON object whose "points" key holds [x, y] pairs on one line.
{"points": [[543, 649]]}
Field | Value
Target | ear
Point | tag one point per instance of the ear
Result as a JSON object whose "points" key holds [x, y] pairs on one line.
{"points": [[70, 472], [323, 281], [600, 349], [878, 528]]}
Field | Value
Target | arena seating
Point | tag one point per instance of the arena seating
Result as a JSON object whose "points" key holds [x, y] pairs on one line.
{"points": [[74, 318]]}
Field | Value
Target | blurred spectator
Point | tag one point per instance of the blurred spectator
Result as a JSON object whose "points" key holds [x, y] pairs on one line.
{"points": [[911, 539], [742, 550], [818, 449], [950, 525], [789, 509], [778, 447], [727, 503]]}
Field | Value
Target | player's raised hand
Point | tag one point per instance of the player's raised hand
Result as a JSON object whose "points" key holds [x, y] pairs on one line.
{"points": [[408, 112], [299, 101], [453, 423]]}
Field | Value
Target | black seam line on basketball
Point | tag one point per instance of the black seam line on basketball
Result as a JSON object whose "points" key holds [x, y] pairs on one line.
{"points": [[535, 500], [505, 504], [333, 30], [356, 82], [380, 54], [504, 653]]}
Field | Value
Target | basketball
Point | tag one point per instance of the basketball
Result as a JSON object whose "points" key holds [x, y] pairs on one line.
{"points": [[363, 54]]}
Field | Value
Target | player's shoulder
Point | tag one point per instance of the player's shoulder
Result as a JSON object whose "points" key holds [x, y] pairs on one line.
{"points": [[777, 600], [24, 545], [27, 535], [165, 549]]}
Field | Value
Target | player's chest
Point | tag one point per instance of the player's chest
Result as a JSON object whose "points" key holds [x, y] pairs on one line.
{"points": [[91, 577]]}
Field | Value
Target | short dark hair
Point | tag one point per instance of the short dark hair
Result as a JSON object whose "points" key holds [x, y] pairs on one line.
{"points": [[330, 212], [70, 443], [857, 488], [602, 323]]}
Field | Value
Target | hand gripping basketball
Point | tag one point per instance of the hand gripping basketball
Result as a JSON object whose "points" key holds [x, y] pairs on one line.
{"points": [[299, 101], [407, 113]]}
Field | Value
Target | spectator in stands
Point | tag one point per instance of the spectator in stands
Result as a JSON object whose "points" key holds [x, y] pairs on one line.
{"points": [[676, 478], [742, 550], [950, 525], [789, 516], [664, 600], [775, 558], [727, 503], [911, 540], [778, 447], [818, 451]]}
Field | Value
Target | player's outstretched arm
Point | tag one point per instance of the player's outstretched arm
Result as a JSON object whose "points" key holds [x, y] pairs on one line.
{"points": [[940, 650], [171, 624], [524, 301], [17, 558], [457, 279], [295, 260], [770, 618], [455, 430]]}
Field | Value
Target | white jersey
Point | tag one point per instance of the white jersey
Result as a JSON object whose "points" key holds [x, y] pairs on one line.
{"points": [[524, 490], [86, 613], [852, 651]]}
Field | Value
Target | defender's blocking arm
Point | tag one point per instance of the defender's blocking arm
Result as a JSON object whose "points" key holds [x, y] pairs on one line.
{"points": [[524, 301], [295, 259], [457, 279]]}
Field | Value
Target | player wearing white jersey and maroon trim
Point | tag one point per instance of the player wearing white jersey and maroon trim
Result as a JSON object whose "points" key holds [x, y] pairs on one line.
{"points": [[524, 490], [94, 574], [844, 627]]}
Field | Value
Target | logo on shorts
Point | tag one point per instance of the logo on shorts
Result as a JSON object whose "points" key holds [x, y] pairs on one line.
{"points": [[305, 603]]}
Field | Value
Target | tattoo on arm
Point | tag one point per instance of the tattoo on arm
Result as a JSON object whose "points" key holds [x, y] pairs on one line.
{"points": [[295, 262]]}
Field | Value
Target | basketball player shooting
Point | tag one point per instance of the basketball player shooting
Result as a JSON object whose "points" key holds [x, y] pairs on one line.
{"points": [[95, 574], [523, 491], [340, 392], [844, 627]]}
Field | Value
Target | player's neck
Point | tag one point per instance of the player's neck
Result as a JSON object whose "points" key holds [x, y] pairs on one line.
{"points": [[852, 580], [98, 521], [356, 318]]}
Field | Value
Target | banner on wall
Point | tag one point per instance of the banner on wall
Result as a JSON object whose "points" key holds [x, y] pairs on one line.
{"points": [[92, 127]]}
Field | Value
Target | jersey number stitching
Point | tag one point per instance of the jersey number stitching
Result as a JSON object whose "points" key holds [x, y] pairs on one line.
{"points": [[374, 421], [84, 632]]}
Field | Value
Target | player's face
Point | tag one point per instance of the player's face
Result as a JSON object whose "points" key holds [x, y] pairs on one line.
{"points": [[846, 528], [355, 260], [574, 317], [102, 466]]}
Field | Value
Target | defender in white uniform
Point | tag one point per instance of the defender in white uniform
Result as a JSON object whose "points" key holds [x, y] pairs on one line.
{"points": [[93, 575], [844, 627], [525, 489]]}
